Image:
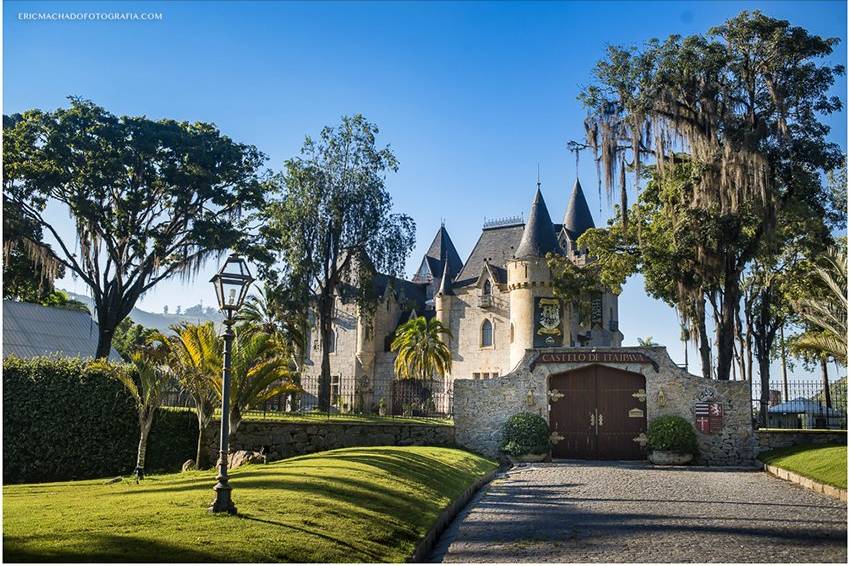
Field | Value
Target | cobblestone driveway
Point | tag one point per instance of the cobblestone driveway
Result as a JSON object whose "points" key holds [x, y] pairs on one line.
{"points": [[632, 512]]}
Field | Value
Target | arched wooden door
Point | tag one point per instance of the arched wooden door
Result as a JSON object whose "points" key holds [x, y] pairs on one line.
{"points": [[598, 413]]}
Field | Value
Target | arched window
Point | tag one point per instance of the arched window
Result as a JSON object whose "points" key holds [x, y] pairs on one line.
{"points": [[487, 334], [332, 342], [512, 333], [488, 287]]}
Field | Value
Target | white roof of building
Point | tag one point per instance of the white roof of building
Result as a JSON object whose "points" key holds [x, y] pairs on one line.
{"points": [[31, 330]]}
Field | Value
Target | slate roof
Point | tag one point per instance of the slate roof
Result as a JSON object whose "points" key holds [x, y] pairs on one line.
{"points": [[495, 245], [441, 252], [539, 237], [577, 219], [31, 330]]}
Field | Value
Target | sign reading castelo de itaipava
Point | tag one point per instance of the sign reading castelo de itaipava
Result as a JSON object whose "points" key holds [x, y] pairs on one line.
{"points": [[594, 356]]}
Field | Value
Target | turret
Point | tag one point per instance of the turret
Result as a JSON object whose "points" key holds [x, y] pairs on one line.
{"points": [[529, 281], [577, 219], [443, 298]]}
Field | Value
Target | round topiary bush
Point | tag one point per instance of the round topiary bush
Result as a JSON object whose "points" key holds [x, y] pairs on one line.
{"points": [[672, 434], [525, 433]]}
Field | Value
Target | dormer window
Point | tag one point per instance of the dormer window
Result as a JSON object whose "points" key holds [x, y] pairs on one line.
{"points": [[488, 287]]}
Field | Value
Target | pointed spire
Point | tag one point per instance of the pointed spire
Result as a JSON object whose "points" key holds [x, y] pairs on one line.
{"points": [[443, 251], [538, 237], [445, 282], [577, 219]]}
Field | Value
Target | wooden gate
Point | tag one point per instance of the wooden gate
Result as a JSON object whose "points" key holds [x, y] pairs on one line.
{"points": [[597, 412]]}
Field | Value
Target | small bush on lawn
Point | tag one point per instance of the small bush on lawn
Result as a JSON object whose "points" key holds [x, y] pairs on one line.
{"points": [[672, 434], [525, 433], [65, 418]]}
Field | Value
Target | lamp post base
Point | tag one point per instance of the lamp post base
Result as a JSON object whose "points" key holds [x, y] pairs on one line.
{"points": [[222, 502]]}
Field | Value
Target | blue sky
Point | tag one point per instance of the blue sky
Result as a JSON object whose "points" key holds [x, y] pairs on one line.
{"points": [[471, 95]]}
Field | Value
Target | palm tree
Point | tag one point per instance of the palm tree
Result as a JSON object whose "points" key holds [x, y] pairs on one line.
{"points": [[826, 312], [273, 311], [259, 371], [196, 360], [422, 352], [146, 380], [647, 342]]}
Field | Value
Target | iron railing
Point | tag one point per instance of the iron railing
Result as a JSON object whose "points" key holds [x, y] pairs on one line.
{"points": [[803, 404], [388, 398]]}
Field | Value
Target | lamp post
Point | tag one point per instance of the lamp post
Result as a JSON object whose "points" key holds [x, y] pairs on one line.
{"points": [[231, 285]]}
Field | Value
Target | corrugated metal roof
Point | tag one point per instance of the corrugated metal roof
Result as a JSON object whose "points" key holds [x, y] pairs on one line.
{"points": [[33, 330]]}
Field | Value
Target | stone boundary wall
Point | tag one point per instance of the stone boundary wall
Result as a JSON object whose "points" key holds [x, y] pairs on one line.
{"points": [[776, 438], [482, 406], [283, 440]]}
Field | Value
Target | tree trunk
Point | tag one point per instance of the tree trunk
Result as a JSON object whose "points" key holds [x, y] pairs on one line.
{"points": [[784, 363], [144, 430], [726, 324], [109, 316], [764, 376], [704, 347], [827, 394], [326, 308], [202, 456]]}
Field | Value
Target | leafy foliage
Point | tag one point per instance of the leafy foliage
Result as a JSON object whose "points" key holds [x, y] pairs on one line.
{"points": [[672, 433], [741, 107], [525, 433], [823, 305], [422, 351], [334, 225], [148, 199], [130, 337], [67, 419]]}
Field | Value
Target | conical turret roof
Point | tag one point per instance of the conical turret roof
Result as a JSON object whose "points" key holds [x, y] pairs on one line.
{"points": [[577, 219], [445, 282], [441, 253], [538, 237]]}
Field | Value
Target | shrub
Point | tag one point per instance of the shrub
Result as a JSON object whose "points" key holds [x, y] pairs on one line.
{"points": [[525, 433], [67, 419], [673, 434]]}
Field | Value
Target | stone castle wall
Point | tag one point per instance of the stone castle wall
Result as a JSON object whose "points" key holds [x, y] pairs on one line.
{"points": [[482, 407], [284, 440]]}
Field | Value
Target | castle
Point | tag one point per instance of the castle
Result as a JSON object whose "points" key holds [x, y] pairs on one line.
{"points": [[497, 304]]}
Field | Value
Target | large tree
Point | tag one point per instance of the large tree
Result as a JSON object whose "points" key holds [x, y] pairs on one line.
{"points": [[743, 104], [335, 225], [148, 199]]}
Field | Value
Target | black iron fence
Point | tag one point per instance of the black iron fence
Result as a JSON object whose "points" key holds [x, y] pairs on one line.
{"points": [[388, 398], [803, 404]]}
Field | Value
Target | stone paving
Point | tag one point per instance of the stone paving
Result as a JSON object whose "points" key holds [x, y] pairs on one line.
{"points": [[633, 512]]}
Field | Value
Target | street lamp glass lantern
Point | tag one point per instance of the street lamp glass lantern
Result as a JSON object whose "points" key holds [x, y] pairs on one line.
{"points": [[231, 284]]}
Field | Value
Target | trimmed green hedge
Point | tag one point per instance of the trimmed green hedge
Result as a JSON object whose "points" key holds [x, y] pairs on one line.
{"points": [[672, 433], [65, 419], [525, 433]]}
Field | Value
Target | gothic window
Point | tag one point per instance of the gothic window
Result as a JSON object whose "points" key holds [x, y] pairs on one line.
{"points": [[488, 287], [486, 334], [512, 333], [332, 342]]}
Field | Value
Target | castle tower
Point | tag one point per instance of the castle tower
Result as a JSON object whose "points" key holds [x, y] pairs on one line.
{"points": [[577, 220], [530, 278], [444, 298]]}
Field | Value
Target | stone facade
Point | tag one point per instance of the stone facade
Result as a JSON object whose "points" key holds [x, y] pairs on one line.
{"points": [[279, 440], [482, 407], [487, 302], [773, 439]]}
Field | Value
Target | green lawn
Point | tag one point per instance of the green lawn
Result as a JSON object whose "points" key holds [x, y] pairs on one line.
{"points": [[825, 463], [347, 505]]}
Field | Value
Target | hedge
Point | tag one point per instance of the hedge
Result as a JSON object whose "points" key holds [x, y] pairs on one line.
{"points": [[65, 419]]}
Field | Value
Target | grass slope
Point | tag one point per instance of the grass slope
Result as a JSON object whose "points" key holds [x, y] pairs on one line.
{"points": [[825, 464], [349, 505]]}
